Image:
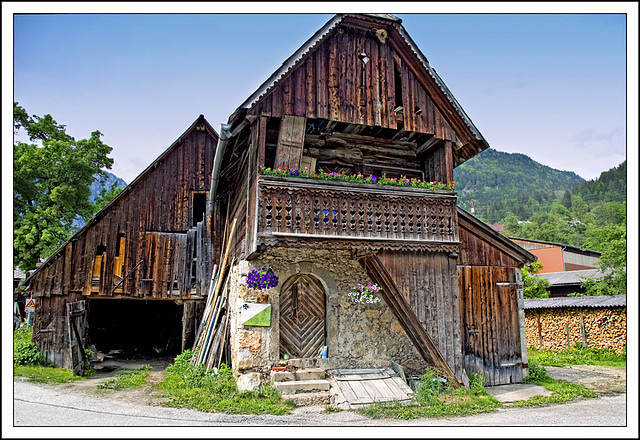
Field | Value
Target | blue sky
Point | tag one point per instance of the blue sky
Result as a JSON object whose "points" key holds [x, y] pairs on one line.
{"points": [[551, 86]]}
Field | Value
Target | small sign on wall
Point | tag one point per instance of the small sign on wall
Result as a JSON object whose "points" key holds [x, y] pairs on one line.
{"points": [[30, 307], [258, 315]]}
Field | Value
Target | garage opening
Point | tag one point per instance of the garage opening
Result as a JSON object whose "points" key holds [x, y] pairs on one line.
{"points": [[135, 328]]}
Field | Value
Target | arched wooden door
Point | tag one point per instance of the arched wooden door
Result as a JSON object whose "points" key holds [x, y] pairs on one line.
{"points": [[302, 317]]}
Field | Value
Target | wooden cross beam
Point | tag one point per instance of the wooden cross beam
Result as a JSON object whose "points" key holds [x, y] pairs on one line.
{"points": [[410, 323]]}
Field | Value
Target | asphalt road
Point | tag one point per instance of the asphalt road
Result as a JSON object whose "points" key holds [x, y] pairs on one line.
{"points": [[37, 406]]}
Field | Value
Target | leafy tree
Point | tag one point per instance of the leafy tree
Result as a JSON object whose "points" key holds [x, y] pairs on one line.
{"points": [[611, 241], [52, 176], [534, 286]]}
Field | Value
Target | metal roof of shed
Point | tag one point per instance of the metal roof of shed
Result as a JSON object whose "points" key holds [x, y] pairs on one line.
{"points": [[578, 301], [571, 277]]}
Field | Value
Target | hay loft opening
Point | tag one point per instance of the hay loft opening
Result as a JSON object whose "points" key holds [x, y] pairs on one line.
{"points": [[132, 328]]}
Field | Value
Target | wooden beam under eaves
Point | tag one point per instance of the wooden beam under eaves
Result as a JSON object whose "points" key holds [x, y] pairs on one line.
{"points": [[409, 321]]}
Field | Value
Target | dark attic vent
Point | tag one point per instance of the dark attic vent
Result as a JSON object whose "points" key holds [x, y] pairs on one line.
{"points": [[199, 207]]}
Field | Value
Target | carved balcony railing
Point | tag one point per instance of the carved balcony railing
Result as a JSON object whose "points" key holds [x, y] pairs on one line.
{"points": [[297, 212]]}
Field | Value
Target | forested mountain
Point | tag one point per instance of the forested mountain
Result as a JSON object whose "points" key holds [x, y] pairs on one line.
{"points": [[97, 186], [611, 186], [102, 191], [500, 183]]}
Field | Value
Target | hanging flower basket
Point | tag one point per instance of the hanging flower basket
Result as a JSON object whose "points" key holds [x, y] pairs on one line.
{"points": [[365, 294], [262, 279]]}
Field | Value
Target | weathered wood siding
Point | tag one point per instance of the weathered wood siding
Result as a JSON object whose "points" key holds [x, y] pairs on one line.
{"points": [[154, 215], [331, 82], [428, 282], [489, 314]]}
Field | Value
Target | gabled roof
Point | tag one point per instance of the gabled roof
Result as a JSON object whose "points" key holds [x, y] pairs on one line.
{"points": [[551, 243], [388, 19], [483, 230], [577, 301], [199, 122]]}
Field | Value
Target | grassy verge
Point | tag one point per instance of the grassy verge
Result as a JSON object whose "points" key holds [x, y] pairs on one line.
{"points": [[578, 355], [42, 374], [433, 399], [562, 391], [28, 362], [187, 386], [126, 380]]}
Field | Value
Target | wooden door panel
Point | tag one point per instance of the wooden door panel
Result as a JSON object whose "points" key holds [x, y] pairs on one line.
{"points": [[302, 317], [75, 321]]}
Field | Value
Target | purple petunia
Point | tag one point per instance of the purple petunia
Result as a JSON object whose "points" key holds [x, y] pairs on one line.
{"points": [[262, 279]]}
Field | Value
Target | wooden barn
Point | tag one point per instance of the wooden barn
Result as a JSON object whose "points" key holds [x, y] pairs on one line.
{"points": [[131, 278], [357, 98]]}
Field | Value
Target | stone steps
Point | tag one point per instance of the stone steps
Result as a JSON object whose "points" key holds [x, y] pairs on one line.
{"points": [[306, 386], [301, 374], [302, 386]]}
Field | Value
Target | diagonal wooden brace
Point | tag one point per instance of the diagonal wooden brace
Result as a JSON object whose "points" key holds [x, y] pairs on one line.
{"points": [[409, 321]]}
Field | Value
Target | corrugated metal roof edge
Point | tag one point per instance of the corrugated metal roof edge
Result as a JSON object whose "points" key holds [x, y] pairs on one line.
{"points": [[555, 244], [576, 301]]}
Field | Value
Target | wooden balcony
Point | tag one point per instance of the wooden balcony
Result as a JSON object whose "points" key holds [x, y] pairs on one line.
{"points": [[339, 215]]}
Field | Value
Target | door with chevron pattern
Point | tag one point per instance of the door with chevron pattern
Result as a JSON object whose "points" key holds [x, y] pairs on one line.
{"points": [[302, 317]]}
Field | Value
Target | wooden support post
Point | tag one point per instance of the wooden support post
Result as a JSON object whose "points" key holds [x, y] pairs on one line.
{"points": [[448, 162], [539, 329], [407, 318], [582, 331]]}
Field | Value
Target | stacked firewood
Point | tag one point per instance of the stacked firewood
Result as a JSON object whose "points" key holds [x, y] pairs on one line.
{"points": [[562, 328]]}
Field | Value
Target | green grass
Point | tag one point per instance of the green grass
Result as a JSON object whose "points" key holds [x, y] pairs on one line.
{"points": [[28, 362], [435, 400], [187, 386], [126, 380], [42, 374], [578, 355], [562, 391]]}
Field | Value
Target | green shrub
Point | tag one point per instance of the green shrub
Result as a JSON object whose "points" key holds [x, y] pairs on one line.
{"points": [[431, 386], [189, 386], [24, 351], [537, 373]]}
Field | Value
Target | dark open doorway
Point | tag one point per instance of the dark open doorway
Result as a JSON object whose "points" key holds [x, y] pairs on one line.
{"points": [[135, 328]]}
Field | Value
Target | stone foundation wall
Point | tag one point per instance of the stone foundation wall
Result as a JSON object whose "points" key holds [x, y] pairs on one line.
{"points": [[561, 328], [358, 335]]}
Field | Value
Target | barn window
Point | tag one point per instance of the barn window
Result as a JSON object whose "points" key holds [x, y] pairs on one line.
{"points": [[119, 260], [199, 205], [398, 85]]}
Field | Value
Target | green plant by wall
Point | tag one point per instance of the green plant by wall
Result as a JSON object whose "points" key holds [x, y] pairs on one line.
{"points": [[24, 351], [189, 386]]}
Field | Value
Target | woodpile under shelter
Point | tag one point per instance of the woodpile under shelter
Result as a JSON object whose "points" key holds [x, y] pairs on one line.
{"points": [[589, 321], [177, 246]]}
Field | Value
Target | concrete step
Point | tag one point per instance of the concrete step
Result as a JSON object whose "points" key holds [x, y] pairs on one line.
{"points": [[301, 374], [301, 386], [310, 399]]}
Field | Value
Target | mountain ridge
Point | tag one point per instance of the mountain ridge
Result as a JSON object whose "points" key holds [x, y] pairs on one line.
{"points": [[497, 183]]}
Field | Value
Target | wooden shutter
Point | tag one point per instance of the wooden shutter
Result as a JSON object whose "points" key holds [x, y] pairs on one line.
{"points": [[290, 142]]}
